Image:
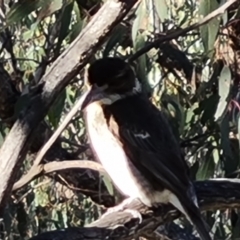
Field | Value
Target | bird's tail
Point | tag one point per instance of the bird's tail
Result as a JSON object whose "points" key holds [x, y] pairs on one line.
{"points": [[193, 214], [191, 211]]}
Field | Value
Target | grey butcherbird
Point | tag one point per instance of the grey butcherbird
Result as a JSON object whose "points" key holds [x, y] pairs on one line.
{"points": [[134, 142]]}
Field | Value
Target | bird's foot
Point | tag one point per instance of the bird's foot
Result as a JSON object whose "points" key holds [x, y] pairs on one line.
{"points": [[122, 207], [135, 214]]}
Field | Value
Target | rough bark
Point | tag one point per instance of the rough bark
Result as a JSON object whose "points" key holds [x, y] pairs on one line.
{"points": [[212, 195]]}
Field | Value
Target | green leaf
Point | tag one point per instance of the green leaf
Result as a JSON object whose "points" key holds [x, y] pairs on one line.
{"points": [[108, 183], [230, 163], [138, 44], [55, 111], [173, 106], [1, 139], [207, 168], [80, 23], [209, 31], [114, 39], [141, 12], [28, 34], [141, 62], [66, 19], [22, 9], [190, 115], [139, 40], [224, 87], [162, 9], [70, 96], [49, 8]]}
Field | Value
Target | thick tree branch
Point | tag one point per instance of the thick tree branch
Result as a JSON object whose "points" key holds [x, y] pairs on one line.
{"points": [[212, 195], [67, 66]]}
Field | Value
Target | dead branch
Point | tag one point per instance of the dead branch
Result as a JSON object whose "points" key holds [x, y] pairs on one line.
{"points": [[41, 169], [212, 194]]}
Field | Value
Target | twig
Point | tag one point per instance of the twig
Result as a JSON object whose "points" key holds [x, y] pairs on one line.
{"points": [[56, 134], [38, 170], [212, 195], [179, 32]]}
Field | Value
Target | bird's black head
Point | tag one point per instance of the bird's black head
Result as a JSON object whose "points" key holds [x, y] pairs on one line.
{"points": [[113, 72], [108, 80]]}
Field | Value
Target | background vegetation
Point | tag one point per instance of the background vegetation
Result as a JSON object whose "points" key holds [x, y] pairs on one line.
{"points": [[194, 78]]}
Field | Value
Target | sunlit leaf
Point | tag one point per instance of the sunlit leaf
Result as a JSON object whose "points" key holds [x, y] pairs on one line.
{"points": [[108, 183], [139, 21], [162, 9], [209, 31], [224, 87]]}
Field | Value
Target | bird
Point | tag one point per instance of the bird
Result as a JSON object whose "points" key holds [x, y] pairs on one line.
{"points": [[134, 142]]}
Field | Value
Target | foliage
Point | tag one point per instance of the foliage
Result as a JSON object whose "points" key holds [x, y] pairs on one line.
{"points": [[193, 78]]}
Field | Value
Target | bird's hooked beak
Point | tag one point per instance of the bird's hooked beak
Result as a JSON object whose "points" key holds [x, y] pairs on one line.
{"points": [[93, 94]]}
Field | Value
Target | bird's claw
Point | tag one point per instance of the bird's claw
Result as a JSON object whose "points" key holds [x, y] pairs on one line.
{"points": [[135, 214], [118, 208], [122, 207]]}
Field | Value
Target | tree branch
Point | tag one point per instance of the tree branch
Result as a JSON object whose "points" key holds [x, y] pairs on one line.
{"points": [[212, 195], [41, 169]]}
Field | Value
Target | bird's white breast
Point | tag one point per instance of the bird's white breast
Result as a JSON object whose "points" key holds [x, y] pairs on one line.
{"points": [[111, 155]]}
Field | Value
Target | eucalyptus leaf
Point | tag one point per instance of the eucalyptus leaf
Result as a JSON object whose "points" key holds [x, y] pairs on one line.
{"points": [[55, 111], [66, 20], [21, 10], [224, 88], [79, 24], [114, 39], [230, 163], [142, 63], [162, 9], [49, 8], [207, 167], [209, 31], [108, 183], [138, 21]]}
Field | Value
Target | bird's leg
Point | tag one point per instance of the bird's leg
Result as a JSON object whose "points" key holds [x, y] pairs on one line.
{"points": [[122, 207]]}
